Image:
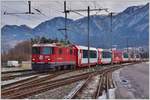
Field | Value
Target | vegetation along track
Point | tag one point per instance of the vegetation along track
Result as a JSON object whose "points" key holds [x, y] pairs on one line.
{"points": [[43, 84]]}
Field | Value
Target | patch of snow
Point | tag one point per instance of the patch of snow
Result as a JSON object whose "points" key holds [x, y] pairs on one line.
{"points": [[112, 93], [103, 96], [15, 80]]}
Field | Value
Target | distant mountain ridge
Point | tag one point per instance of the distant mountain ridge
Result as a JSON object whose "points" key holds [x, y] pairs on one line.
{"points": [[131, 25]]}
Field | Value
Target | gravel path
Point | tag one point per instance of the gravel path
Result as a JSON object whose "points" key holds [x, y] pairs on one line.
{"points": [[132, 82]]}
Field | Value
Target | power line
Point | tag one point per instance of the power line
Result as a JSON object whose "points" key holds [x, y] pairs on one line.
{"points": [[13, 13], [73, 1], [88, 22]]}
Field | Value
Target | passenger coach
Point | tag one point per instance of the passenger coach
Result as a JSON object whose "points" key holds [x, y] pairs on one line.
{"points": [[82, 56]]}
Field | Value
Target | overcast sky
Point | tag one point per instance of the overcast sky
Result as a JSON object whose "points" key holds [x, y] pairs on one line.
{"points": [[54, 8]]}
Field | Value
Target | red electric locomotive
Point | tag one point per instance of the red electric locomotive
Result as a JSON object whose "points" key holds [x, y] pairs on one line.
{"points": [[52, 56]]}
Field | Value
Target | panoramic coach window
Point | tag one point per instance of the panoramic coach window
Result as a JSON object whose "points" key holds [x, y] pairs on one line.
{"points": [[35, 50], [47, 50], [93, 54], [85, 54], [125, 55], [106, 54]]}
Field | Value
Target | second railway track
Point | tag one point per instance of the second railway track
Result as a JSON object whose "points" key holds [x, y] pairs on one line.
{"points": [[94, 85], [37, 86], [12, 75]]}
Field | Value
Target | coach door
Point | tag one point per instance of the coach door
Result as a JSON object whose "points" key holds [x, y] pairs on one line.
{"points": [[79, 57]]}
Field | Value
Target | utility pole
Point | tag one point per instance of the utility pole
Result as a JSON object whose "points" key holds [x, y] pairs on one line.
{"points": [[29, 3], [88, 36], [65, 21], [127, 44], [88, 23], [111, 25], [15, 13], [111, 14], [65, 28]]}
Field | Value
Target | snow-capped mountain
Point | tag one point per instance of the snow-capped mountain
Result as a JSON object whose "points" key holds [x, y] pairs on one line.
{"points": [[130, 25]]}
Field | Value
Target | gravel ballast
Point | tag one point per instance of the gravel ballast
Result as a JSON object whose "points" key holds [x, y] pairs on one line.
{"points": [[57, 93]]}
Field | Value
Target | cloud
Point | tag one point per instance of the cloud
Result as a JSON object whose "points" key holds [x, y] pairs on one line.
{"points": [[54, 8]]}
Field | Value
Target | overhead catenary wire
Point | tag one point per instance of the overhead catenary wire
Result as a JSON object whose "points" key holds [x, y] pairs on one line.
{"points": [[60, 4], [71, 0]]}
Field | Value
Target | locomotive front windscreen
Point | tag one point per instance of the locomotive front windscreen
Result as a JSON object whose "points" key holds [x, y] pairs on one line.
{"points": [[36, 50], [46, 50], [42, 50], [106, 54]]}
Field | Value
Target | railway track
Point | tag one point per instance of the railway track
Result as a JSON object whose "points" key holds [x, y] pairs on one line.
{"points": [[16, 71], [27, 90], [8, 75], [105, 83], [35, 79], [36, 86], [91, 89], [13, 75], [86, 90]]}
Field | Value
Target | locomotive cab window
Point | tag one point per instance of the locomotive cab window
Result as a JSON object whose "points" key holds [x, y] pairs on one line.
{"points": [[93, 54], [47, 50], [35, 50]]}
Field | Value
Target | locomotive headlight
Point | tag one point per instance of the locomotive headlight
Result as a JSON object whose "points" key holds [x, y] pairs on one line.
{"points": [[49, 59], [33, 59]]}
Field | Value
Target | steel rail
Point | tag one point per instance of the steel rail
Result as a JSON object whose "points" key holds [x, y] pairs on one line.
{"points": [[40, 88], [25, 84], [80, 88], [99, 87], [16, 71], [24, 91]]}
